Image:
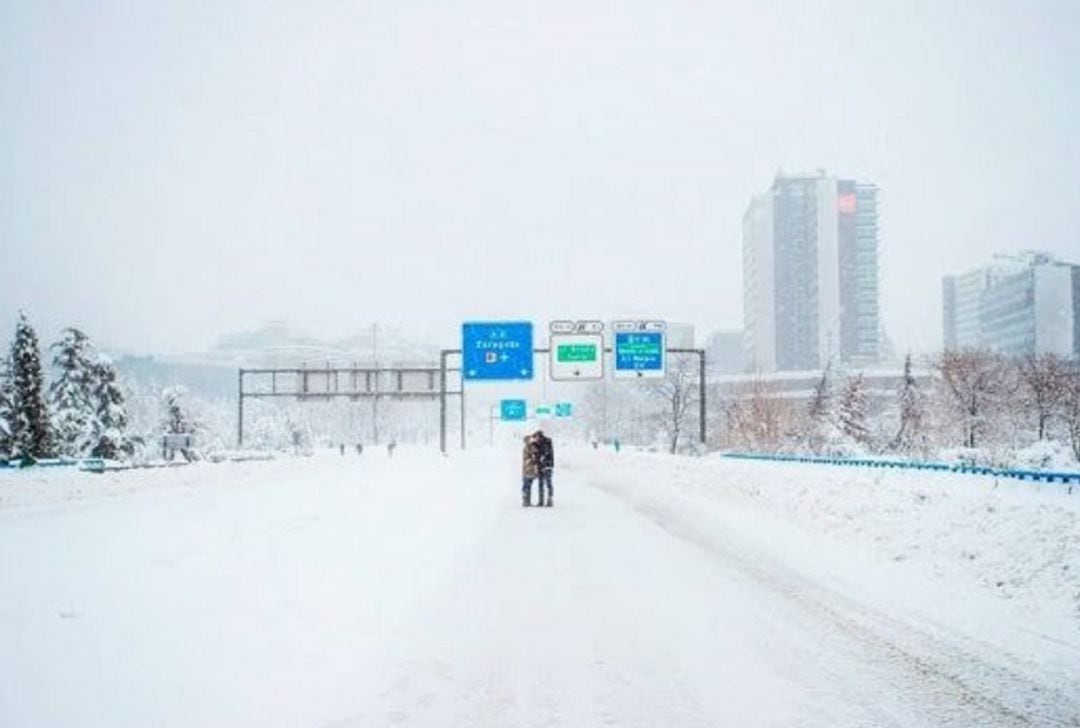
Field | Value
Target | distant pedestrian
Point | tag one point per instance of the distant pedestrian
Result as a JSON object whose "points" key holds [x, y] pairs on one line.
{"points": [[546, 451], [530, 469], [615, 442], [359, 448], [390, 448], [343, 449]]}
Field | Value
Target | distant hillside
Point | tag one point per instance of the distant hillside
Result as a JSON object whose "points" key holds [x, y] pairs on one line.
{"points": [[276, 344], [212, 374], [205, 380]]}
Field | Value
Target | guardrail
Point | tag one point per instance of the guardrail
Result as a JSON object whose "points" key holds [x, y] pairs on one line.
{"points": [[101, 465], [90, 465], [1017, 473]]}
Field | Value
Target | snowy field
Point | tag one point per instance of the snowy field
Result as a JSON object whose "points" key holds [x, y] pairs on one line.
{"points": [[347, 592]]}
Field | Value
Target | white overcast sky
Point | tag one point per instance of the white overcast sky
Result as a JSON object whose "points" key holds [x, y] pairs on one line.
{"points": [[173, 171]]}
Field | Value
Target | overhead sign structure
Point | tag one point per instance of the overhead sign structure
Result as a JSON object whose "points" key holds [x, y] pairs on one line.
{"points": [[513, 410], [564, 410], [639, 349], [497, 351]]}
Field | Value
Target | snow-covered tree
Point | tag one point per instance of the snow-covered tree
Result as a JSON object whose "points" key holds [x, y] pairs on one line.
{"points": [[852, 410], [678, 391], [177, 418], [595, 411], [6, 408], [111, 438], [975, 385], [819, 424], [1070, 409], [757, 418], [30, 417], [911, 434], [1043, 379], [70, 399]]}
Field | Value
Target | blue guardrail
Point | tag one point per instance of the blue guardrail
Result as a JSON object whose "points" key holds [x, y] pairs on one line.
{"points": [[1047, 476]]}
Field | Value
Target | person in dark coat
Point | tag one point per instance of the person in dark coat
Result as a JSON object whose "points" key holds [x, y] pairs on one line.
{"points": [[530, 469], [546, 452]]}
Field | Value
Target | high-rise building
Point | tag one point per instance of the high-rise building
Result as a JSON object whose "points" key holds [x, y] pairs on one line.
{"points": [[724, 352], [810, 278], [1026, 303]]}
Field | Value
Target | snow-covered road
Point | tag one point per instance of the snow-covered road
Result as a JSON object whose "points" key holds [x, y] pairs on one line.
{"points": [[364, 591]]}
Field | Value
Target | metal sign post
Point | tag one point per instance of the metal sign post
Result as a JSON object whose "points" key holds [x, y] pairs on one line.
{"points": [[443, 393]]}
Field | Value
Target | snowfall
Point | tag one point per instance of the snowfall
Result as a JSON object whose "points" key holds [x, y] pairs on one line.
{"points": [[660, 590]]}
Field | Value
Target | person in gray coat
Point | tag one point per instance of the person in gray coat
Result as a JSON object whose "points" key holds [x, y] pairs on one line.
{"points": [[546, 464]]}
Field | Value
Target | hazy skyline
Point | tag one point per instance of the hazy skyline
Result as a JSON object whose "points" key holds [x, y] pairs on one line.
{"points": [[175, 171]]}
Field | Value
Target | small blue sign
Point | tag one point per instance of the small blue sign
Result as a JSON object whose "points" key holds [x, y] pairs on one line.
{"points": [[513, 410], [640, 352], [496, 350], [564, 409]]}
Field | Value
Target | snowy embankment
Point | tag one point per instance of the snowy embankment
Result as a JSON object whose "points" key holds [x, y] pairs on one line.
{"points": [[50, 487], [995, 560], [1018, 541]]}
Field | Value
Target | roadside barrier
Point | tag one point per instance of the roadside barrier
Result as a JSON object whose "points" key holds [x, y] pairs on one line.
{"points": [[1047, 476], [42, 463]]}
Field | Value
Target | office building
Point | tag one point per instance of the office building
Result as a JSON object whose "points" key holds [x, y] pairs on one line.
{"points": [[1027, 303], [810, 277]]}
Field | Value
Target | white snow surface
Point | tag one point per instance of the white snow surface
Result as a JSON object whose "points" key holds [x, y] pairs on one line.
{"points": [[659, 591]]}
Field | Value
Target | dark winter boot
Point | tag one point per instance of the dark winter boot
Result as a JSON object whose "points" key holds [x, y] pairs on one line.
{"points": [[526, 501], [549, 503]]}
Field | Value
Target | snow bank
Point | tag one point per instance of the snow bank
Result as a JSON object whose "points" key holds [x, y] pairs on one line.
{"points": [[1018, 541]]}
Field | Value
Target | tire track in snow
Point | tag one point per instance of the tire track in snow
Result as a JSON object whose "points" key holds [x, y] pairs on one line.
{"points": [[981, 693]]}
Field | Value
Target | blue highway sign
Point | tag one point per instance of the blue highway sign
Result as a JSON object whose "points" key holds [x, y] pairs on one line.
{"points": [[496, 350], [639, 353], [513, 410], [564, 409]]}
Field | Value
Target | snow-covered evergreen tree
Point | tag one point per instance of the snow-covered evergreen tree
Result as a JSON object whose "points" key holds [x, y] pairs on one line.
{"points": [[70, 397], [30, 417], [111, 439], [6, 408], [177, 419], [852, 410], [911, 434], [819, 425]]}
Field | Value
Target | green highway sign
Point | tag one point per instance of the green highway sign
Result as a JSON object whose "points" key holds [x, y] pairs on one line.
{"points": [[578, 356], [576, 352]]}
